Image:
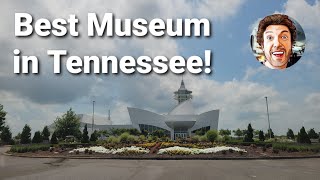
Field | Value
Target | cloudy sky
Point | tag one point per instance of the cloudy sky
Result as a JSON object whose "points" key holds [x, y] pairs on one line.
{"points": [[237, 87]]}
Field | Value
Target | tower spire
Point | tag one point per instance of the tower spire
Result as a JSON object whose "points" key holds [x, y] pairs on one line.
{"points": [[182, 94]]}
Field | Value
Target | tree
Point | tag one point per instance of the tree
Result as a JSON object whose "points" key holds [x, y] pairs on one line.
{"points": [[225, 132], [249, 135], [2, 117], [45, 133], [312, 134], [238, 133], [18, 136], [256, 133], [212, 135], [94, 136], [268, 135], [85, 137], [303, 136], [6, 135], [290, 134], [26, 135], [37, 138], [68, 124], [54, 139], [261, 136]]}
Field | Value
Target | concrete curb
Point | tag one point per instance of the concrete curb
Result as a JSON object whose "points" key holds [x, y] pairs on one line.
{"points": [[168, 158]]}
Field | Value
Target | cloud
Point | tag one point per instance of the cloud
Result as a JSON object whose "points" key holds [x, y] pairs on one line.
{"points": [[307, 16], [39, 99]]}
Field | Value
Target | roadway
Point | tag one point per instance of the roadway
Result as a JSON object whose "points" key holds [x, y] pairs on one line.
{"points": [[49, 168]]}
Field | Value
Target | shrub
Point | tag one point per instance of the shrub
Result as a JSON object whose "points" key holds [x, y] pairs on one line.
{"points": [[86, 151], [195, 139], [203, 138], [212, 135], [113, 140], [123, 138], [29, 148], [142, 138], [132, 139]]}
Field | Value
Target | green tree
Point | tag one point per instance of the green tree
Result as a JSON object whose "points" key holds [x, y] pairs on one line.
{"points": [[94, 136], [303, 136], [18, 136], [85, 137], [290, 134], [268, 135], [249, 135], [6, 135], [45, 133], [225, 132], [212, 135], [256, 133], [238, 133], [68, 124], [54, 139], [37, 138], [261, 136], [2, 117], [26, 135], [312, 134]]}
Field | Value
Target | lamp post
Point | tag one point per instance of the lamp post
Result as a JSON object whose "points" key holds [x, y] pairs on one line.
{"points": [[268, 117], [92, 115]]}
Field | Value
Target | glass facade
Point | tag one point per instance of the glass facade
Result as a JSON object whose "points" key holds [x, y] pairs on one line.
{"points": [[151, 129]]}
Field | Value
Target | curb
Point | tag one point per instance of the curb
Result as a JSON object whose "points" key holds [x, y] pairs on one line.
{"points": [[168, 158]]}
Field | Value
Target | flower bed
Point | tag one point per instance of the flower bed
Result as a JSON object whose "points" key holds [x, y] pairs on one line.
{"points": [[176, 150], [121, 151]]}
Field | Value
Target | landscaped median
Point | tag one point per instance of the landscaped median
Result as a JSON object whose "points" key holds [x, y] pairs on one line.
{"points": [[169, 150]]}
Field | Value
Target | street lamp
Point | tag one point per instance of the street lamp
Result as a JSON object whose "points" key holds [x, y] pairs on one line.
{"points": [[92, 115], [268, 117]]}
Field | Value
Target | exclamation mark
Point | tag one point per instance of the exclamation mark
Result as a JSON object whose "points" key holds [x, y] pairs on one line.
{"points": [[207, 61]]}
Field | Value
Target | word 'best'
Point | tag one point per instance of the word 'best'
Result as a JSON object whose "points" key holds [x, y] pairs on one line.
{"points": [[108, 25]]}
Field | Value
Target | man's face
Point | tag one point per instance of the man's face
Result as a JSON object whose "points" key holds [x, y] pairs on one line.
{"points": [[277, 45]]}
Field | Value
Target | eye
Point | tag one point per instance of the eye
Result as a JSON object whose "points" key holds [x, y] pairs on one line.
{"points": [[284, 37], [269, 38]]}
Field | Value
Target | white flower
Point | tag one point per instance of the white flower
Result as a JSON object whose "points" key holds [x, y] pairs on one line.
{"points": [[101, 149], [199, 151]]}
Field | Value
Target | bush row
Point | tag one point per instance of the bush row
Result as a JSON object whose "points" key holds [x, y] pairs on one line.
{"points": [[296, 147], [29, 148]]}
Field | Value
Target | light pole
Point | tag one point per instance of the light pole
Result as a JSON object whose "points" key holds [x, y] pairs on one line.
{"points": [[268, 117], [92, 115]]}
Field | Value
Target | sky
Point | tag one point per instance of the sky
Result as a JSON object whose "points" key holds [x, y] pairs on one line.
{"points": [[237, 87]]}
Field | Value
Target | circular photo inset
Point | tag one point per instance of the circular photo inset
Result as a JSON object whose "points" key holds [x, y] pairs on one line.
{"points": [[277, 41]]}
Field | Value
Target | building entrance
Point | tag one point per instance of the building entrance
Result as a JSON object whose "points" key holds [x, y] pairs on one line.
{"points": [[180, 135]]}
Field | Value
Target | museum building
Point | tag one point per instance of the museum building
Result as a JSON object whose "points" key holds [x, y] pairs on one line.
{"points": [[181, 122]]}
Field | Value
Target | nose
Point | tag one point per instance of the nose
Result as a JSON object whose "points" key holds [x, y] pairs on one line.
{"points": [[276, 43]]}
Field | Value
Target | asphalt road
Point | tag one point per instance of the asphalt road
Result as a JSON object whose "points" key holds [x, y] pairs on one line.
{"points": [[47, 168]]}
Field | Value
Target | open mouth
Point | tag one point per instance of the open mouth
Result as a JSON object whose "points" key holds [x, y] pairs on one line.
{"points": [[278, 54]]}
